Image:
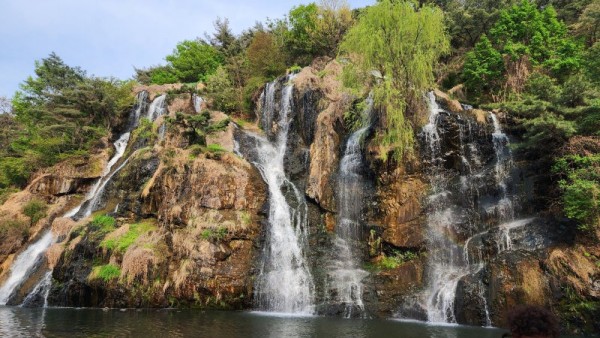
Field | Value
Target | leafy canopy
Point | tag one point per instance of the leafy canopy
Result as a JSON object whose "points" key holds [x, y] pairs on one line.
{"points": [[193, 61], [403, 43]]}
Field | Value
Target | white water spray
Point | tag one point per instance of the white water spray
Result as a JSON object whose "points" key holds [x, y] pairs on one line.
{"points": [[285, 283]]}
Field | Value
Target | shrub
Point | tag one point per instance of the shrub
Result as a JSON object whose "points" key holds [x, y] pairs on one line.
{"points": [[214, 234], [35, 210], [580, 184], [396, 259]]}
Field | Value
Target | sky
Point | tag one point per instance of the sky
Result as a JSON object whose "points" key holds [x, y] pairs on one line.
{"points": [[110, 37]]}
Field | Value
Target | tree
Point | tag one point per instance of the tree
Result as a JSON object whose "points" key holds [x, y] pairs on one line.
{"points": [[483, 68], [220, 89], [524, 31], [526, 38], [302, 21], [265, 58], [57, 114], [223, 39], [588, 24], [403, 44], [193, 61]]}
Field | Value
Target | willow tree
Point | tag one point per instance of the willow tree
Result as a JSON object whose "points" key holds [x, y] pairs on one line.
{"points": [[402, 42]]}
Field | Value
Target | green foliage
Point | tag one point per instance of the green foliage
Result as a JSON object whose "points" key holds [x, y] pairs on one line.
{"points": [[215, 148], [106, 272], [197, 126], [483, 68], [592, 63], [316, 30], [10, 228], [543, 87], [123, 242], [214, 234], [265, 57], [163, 75], [523, 37], [58, 114], [468, 20], [220, 89], [103, 224], [403, 44], [144, 131], [548, 131], [35, 210], [194, 60], [397, 259], [581, 188]]}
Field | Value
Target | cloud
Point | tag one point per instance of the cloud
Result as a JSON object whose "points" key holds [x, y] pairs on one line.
{"points": [[109, 37]]}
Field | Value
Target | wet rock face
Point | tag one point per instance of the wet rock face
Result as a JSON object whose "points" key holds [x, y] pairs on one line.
{"points": [[199, 252]]}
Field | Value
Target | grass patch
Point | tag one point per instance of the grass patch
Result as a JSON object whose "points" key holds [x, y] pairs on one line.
{"points": [[245, 217], [5, 193], [106, 272], [214, 234], [215, 148], [103, 224], [123, 242]]}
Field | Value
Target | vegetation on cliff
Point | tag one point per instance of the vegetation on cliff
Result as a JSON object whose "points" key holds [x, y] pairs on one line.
{"points": [[58, 114]]}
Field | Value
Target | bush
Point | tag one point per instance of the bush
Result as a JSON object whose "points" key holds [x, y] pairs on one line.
{"points": [[398, 258], [35, 210], [580, 184], [10, 227], [542, 87]]}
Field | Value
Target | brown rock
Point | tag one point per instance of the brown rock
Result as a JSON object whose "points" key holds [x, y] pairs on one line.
{"points": [[450, 104]]}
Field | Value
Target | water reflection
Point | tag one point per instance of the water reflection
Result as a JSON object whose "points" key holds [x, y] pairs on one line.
{"points": [[21, 322], [61, 322]]}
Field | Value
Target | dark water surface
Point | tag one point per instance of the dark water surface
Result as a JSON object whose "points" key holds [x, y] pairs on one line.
{"points": [[69, 322]]}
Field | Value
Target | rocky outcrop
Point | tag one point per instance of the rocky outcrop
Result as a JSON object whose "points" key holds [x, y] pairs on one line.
{"points": [[182, 230]]}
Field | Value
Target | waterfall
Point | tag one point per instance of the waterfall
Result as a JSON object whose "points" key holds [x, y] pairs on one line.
{"points": [[470, 201], [91, 198], [447, 263], [284, 283], [39, 292], [23, 265], [504, 208], [345, 272], [30, 260], [157, 107], [197, 101]]}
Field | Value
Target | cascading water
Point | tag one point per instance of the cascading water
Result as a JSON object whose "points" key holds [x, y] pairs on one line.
{"points": [[23, 266], [469, 194], [32, 259], [285, 283], [197, 101], [345, 274], [94, 197], [447, 263], [502, 168]]}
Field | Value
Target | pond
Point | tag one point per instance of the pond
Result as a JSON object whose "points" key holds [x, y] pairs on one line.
{"points": [[71, 322]]}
